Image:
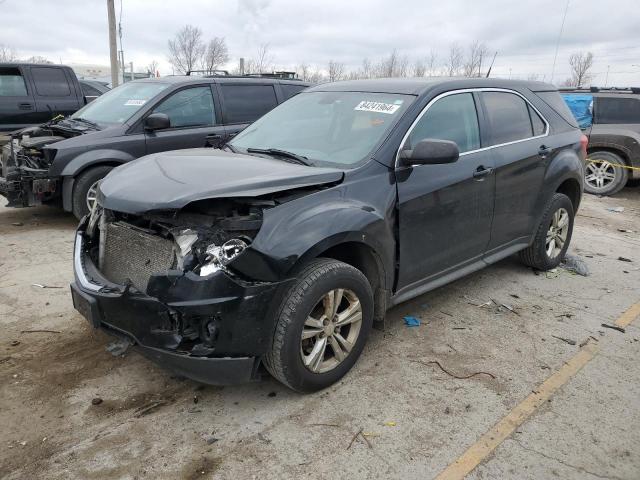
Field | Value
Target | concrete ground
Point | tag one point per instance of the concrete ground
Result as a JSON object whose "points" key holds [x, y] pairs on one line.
{"points": [[415, 418]]}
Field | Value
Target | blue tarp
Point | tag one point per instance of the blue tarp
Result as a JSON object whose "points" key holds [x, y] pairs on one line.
{"points": [[582, 108]]}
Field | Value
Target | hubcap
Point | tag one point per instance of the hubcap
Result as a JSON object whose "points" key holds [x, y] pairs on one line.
{"points": [[334, 322], [557, 233], [600, 174], [92, 193]]}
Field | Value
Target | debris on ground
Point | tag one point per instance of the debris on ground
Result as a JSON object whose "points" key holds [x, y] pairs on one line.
{"points": [[613, 327], [149, 408], [96, 401], [624, 259], [411, 321], [17, 224], [616, 209], [389, 424], [118, 347], [459, 377], [40, 331], [624, 230], [575, 264], [565, 340], [272, 394], [210, 439], [15, 343], [40, 285], [359, 433]]}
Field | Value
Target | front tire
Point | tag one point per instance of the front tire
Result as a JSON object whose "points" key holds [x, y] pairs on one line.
{"points": [[602, 175], [84, 189], [322, 326], [553, 235]]}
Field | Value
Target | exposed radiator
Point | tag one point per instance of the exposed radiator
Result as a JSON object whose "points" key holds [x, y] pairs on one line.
{"points": [[129, 253]]}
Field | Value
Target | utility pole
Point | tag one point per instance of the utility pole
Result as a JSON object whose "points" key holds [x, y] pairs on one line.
{"points": [[113, 49], [606, 80]]}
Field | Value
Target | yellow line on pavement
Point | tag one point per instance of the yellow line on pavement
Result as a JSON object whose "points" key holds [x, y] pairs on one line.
{"points": [[480, 450]]}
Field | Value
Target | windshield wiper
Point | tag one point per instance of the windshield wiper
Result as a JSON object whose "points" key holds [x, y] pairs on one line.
{"points": [[302, 160], [86, 122]]}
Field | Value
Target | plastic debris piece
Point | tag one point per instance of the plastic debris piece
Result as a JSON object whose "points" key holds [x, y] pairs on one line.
{"points": [[119, 347], [575, 264], [411, 321], [39, 285], [390, 424], [616, 209]]}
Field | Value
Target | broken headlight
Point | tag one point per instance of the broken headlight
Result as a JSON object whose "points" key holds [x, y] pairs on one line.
{"points": [[184, 239], [217, 257]]}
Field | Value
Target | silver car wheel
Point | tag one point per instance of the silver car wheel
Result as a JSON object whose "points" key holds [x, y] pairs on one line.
{"points": [[599, 174], [557, 233], [331, 330], [92, 195]]}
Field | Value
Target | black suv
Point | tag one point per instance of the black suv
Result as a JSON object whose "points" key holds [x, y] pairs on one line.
{"points": [[62, 161], [284, 246], [611, 120]]}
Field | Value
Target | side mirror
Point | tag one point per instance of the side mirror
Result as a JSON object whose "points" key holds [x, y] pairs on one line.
{"points": [[431, 152], [157, 121]]}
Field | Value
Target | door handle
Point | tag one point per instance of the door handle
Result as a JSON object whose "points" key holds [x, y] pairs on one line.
{"points": [[544, 151], [25, 106], [482, 171]]}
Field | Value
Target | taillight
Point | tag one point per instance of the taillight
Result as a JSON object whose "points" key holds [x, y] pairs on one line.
{"points": [[584, 141]]}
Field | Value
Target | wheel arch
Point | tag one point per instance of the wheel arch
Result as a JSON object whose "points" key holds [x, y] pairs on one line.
{"points": [[572, 189], [68, 181]]}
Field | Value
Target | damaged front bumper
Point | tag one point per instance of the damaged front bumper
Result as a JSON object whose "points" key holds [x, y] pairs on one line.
{"points": [[212, 329]]}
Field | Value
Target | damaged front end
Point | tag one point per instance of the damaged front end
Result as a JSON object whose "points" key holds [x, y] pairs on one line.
{"points": [[25, 160], [165, 281]]}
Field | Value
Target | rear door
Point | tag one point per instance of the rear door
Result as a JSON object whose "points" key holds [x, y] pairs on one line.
{"points": [[17, 107], [243, 103], [445, 210], [193, 117], [54, 92], [520, 151]]}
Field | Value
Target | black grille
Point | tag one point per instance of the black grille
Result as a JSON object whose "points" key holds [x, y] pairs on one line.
{"points": [[128, 253]]}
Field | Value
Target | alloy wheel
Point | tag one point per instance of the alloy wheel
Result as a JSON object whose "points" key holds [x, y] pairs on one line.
{"points": [[600, 174], [92, 194], [557, 233], [331, 330]]}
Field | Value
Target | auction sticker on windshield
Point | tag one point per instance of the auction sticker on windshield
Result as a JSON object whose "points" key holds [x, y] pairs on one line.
{"points": [[378, 107], [136, 103]]}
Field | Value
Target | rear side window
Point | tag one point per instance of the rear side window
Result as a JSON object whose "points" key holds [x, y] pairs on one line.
{"points": [[617, 110], [291, 90], [247, 103], [11, 83], [191, 107], [50, 82], [454, 118], [508, 116], [556, 102]]}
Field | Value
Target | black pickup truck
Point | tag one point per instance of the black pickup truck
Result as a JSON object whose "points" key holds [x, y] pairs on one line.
{"points": [[31, 94]]}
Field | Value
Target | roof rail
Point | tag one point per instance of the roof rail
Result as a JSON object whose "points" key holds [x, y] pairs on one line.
{"points": [[208, 73], [595, 89]]}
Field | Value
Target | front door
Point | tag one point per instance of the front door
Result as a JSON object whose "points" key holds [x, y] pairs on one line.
{"points": [[445, 211], [193, 118]]}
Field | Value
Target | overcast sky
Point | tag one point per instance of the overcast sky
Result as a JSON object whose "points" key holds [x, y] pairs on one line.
{"points": [[523, 33]]}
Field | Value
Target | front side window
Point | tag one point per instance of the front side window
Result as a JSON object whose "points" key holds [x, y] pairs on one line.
{"points": [[329, 128], [50, 82], [191, 107], [120, 104], [617, 110], [452, 118], [12, 83], [508, 115], [247, 103]]}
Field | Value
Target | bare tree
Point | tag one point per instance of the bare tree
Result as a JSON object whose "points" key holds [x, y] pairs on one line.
{"points": [[419, 68], [454, 60], [38, 59], [580, 64], [263, 61], [7, 53], [367, 68], [152, 68], [187, 48], [216, 54], [336, 71], [473, 63], [432, 63], [533, 77]]}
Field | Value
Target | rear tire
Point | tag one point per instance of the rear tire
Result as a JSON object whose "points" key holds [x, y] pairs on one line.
{"points": [[84, 184], [553, 236], [602, 176], [304, 326]]}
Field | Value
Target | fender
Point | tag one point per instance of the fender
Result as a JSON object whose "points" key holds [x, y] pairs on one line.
{"points": [[93, 157], [293, 233]]}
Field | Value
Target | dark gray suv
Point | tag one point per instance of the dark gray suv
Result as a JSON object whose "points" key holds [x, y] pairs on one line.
{"points": [[63, 160]]}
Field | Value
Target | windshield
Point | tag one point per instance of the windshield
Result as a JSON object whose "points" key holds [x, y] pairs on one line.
{"points": [[336, 128], [119, 104]]}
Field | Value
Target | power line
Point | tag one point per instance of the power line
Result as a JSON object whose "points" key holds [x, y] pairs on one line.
{"points": [[564, 17]]}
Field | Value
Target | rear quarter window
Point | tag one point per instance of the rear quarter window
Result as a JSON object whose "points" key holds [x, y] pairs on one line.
{"points": [[247, 103], [617, 110], [558, 105], [291, 90], [12, 83]]}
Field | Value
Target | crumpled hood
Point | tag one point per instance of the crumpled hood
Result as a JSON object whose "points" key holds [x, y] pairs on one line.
{"points": [[171, 180]]}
